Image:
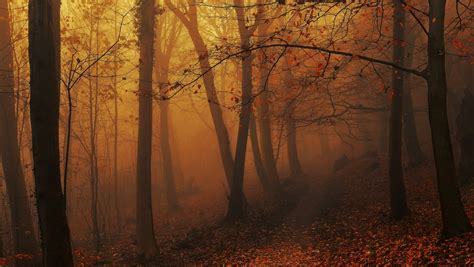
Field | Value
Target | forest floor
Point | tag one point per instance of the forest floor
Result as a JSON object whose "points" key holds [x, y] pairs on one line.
{"points": [[341, 219]]}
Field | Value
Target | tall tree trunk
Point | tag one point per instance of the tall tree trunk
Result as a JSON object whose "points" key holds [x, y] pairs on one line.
{"points": [[165, 42], [398, 202], [383, 125], [146, 243], [168, 173], [118, 213], [466, 138], [3, 223], [264, 116], [291, 144], [1, 240], [293, 158], [190, 21], [257, 158], [466, 128], [383, 118], [24, 240], [454, 217], [93, 167], [410, 137], [44, 58], [236, 200]]}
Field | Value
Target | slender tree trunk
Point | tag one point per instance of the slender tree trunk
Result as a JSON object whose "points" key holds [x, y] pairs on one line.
{"points": [[165, 42], [24, 240], [190, 21], [168, 173], [291, 144], [44, 58], [410, 137], [1, 239], [236, 209], [466, 138], [236, 200], [383, 118], [261, 173], [466, 128], [398, 202], [93, 168], [216, 112], [454, 217], [146, 243], [3, 223], [293, 158], [118, 213], [264, 116]]}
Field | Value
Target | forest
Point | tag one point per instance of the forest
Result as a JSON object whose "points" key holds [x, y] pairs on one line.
{"points": [[236, 132]]}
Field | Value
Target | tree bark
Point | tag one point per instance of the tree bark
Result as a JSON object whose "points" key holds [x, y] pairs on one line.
{"points": [[168, 173], [24, 240], [118, 213], [257, 158], [236, 200], [454, 217], [191, 23], [1, 241], [466, 138], [146, 243], [383, 117], [44, 58], [165, 42], [410, 136], [293, 158], [398, 202], [236, 209], [263, 116], [291, 144], [93, 164], [465, 127]]}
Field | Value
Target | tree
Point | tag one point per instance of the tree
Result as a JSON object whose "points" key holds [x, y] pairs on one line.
{"points": [[398, 202], [190, 21], [24, 240], [257, 158], [146, 243], [455, 220], [292, 149], [44, 58], [465, 128], [168, 33], [466, 138], [93, 112], [236, 210], [116, 125], [410, 136], [264, 114]]}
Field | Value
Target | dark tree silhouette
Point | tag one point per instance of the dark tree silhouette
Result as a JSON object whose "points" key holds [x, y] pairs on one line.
{"points": [[144, 230], [24, 239], [44, 57]]}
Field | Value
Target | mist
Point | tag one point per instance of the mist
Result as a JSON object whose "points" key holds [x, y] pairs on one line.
{"points": [[173, 132]]}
